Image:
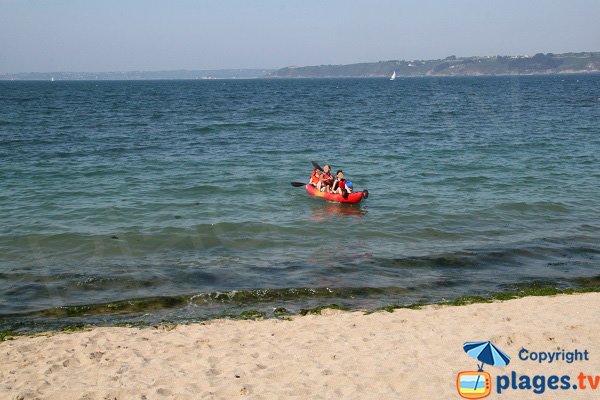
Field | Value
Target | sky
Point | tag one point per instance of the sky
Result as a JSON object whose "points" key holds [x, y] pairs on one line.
{"points": [[149, 35]]}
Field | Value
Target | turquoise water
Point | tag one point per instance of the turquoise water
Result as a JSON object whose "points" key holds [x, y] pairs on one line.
{"points": [[176, 196]]}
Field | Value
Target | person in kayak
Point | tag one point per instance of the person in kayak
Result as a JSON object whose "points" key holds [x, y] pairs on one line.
{"points": [[315, 177], [341, 185], [325, 180]]}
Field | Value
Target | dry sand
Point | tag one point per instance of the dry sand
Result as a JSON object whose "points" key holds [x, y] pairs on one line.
{"points": [[406, 354]]}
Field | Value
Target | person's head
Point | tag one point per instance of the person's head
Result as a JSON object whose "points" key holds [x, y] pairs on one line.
{"points": [[349, 184], [326, 168], [340, 174]]}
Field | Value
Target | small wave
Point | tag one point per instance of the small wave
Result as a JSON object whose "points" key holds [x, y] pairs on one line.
{"points": [[458, 180], [533, 207], [223, 125], [77, 281], [217, 127], [457, 260], [549, 250], [26, 99], [233, 297], [204, 129], [437, 234], [135, 124], [587, 129], [140, 243], [288, 294], [198, 190]]}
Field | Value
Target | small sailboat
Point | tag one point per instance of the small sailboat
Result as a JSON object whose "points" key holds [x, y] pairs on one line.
{"points": [[52, 79], [393, 76]]}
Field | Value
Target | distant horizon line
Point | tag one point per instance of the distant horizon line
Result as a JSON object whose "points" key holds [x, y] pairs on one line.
{"points": [[142, 71], [4, 75]]}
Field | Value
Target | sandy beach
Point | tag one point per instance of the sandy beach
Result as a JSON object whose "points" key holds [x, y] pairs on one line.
{"points": [[349, 355]]}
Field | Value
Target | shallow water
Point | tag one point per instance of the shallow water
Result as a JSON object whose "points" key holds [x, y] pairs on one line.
{"points": [[180, 190]]}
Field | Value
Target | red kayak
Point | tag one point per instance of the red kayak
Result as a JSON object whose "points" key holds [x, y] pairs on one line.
{"points": [[353, 198]]}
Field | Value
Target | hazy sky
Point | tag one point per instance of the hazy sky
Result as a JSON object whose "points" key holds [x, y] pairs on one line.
{"points": [[110, 35]]}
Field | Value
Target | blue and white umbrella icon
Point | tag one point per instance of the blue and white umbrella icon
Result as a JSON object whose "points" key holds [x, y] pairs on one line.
{"points": [[487, 353]]}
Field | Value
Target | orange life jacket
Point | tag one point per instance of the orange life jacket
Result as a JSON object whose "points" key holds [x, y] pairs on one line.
{"points": [[314, 179]]}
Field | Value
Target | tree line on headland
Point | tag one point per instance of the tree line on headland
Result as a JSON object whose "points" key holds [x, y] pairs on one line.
{"points": [[540, 63]]}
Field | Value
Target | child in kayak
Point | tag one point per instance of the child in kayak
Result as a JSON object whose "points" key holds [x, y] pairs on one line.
{"points": [[341, 185], [326, 180], [322, 180], [315, 177]]}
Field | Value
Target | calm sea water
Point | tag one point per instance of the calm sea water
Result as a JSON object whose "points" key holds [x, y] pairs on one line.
{"points": [[171, 200]]}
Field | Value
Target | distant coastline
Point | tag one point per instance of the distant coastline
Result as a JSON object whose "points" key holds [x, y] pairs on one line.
{"points": [[140, 75], [538, 64]]}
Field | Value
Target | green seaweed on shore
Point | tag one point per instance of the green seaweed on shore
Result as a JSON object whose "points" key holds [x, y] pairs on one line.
{"points": [[7, 335], [251, 314], [74, 328], [317, 310], [392, 307], [279, 311], [244, 315], [273, 295], [167, 327], [538, 288], [131, 324], [464, 300], [547, 288], [389, 308], [593, 281], [535, 289], [415, 306]]}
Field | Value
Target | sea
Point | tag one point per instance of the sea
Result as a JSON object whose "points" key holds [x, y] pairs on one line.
{"points": [[148, 202]]}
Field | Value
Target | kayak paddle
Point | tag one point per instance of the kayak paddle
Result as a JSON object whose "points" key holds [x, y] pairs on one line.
{"points": [[317, 166], [298, 184]]}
